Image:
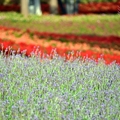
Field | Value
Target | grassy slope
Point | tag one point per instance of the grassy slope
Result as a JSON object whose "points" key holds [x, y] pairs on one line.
{"points": [[90, 24]]}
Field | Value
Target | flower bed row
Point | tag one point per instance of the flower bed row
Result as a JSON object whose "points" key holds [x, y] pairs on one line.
{"points": [[104, 7], [6, 8], [102, 41], [62, 52]]}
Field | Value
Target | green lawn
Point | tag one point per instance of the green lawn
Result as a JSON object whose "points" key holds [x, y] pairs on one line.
{"points": [[82, 24]]}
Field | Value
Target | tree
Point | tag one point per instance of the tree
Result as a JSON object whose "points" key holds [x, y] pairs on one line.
{"points": [[53, 6], [37, 7], [24, 7], [62, 8], [28, 8]]}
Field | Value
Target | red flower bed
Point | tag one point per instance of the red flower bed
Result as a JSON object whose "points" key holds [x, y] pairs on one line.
{"points": [[72, 38], [104, 7], [62, 52], [76, 38], [7, 8]]}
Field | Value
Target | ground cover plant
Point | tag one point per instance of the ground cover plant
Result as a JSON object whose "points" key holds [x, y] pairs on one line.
{"points": [[36, 88]]}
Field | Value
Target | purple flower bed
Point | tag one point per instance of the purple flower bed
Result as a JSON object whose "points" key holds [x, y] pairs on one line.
{"points": [[54, 89]]}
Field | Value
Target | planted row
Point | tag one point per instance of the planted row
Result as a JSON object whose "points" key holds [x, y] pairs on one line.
{"points": [[62, 52], [102, 41]]}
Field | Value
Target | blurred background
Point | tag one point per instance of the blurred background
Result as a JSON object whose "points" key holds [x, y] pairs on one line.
{"points": [[57, 6]]}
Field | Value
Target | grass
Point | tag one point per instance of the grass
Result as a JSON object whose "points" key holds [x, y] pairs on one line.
{"points": [[59, 90], [83, 24]]}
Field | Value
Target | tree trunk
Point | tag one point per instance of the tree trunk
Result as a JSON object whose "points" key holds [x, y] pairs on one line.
{"points": [[53, 6], [24, 7], [62, 7], [38, 7]]}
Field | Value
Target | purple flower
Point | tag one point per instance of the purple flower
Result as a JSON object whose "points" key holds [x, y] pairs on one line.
{"points": [[1, 75], [35, 117], [1, 85]]}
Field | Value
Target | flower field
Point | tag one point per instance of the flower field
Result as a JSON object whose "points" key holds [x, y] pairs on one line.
{"points": [[96, 47], [55, 89], [55, 75]]}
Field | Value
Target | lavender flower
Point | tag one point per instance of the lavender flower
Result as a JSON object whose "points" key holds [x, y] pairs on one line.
{"points": [[55, 89]]}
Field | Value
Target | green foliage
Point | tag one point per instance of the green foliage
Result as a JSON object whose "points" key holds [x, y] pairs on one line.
{"points": [[1, 2], [8, 2]]}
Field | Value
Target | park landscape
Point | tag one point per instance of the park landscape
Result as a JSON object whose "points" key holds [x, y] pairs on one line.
{"points": [[59, 67]]}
